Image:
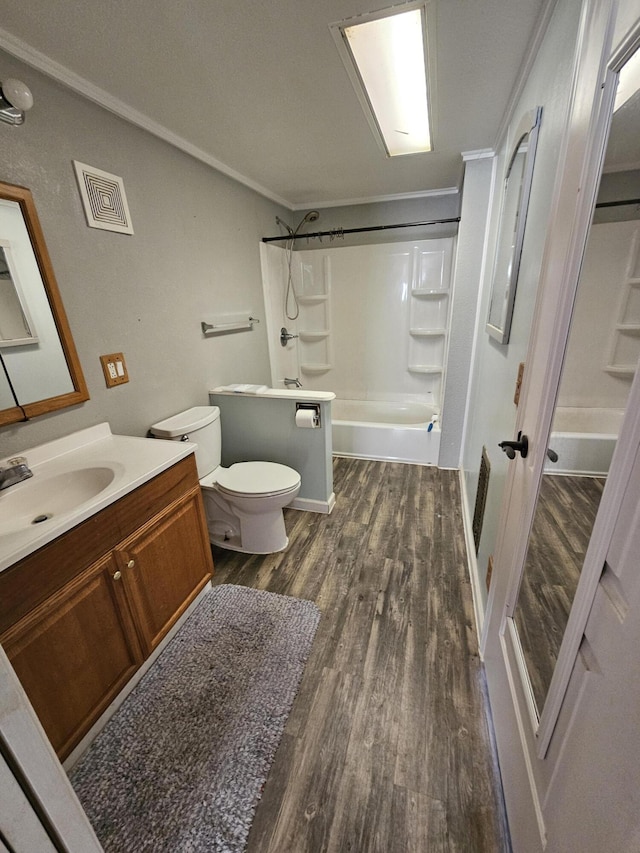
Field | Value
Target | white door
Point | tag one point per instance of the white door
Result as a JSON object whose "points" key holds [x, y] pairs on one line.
{"points": [[39, 811], [530, 755]]}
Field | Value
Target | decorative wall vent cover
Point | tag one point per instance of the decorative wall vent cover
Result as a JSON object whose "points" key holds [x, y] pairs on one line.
{"points": [[481, 497], [104, 199]]}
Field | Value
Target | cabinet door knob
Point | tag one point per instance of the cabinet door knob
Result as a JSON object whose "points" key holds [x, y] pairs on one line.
{"points": [[131, 564], [117, 575]]}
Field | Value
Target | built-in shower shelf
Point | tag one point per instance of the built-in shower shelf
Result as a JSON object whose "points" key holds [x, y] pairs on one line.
{"points": [[315, 368], [629, 328], [424, 368], [314, 336], [621, 369], [313, 300], [428, 293], [428, 333]]}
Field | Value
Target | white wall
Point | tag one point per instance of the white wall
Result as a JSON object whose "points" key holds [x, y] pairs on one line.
{"points": [[195, 252], [470, 257], [492, 412]]}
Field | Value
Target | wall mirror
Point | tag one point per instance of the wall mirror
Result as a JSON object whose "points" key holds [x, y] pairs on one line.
{"points": [[513, 214], [40, 371], [598, 368], [16, 326]]}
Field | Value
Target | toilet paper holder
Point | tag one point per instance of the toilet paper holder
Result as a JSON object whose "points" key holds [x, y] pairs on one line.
{"points": [[313, 407]]}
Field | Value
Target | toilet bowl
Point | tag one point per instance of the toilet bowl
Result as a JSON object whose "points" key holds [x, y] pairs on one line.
{"points": [[243, 503]]}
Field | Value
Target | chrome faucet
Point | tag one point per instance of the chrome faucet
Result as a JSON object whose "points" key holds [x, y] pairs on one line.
{"points": [[295, 382], [15, 472]]}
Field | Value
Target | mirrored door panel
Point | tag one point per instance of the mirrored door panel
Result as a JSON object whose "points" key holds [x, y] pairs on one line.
{"points": [[600, 361]]}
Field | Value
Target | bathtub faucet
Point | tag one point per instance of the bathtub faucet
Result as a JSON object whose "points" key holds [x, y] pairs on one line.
{"points": [[295, 382]]}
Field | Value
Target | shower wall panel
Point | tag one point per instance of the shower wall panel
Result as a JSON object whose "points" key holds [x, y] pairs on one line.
{"points": [[372, 320]]}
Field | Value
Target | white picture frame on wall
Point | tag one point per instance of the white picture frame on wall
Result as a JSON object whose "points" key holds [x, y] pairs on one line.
{"points": [[103, 198]]}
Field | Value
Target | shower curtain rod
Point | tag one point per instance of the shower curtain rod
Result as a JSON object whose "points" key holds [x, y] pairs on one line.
{"points": [[338, 232], [618, 203]]}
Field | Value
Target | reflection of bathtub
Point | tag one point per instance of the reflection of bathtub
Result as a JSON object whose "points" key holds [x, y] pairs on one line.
{"points": [[379, 430], [584, 439]]}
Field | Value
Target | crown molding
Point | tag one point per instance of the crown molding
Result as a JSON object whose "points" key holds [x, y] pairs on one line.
{"points": [[61, 74], [479, 154], [307, 205], [540, 31]]}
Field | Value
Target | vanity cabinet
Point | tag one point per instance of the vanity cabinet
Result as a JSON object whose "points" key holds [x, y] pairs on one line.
{"points": [[163, 567], [79, 616]]}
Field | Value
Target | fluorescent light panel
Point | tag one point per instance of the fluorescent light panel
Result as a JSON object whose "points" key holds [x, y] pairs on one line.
{"points": [[390, 57]]}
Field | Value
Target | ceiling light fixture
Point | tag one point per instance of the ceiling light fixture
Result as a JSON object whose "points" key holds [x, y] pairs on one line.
{"points": [[15, 100], [386, 57]]}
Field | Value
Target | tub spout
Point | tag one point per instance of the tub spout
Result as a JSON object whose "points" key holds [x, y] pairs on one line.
{"points": [[295, 382]]}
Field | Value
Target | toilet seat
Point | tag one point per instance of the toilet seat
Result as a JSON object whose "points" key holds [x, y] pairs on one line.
{"points": [[253, 479]]}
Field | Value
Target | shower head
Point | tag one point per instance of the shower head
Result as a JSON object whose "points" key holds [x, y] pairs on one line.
{"points": [[311, 216]]}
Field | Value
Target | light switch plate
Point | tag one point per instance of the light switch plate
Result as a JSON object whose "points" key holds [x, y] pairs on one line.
{"points": [[114, 369]]}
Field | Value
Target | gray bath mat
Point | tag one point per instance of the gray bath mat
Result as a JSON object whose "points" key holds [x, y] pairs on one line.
{"points": [[182, 764]]}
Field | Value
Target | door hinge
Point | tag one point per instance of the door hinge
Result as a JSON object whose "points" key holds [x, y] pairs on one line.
{"points": [[516, 396]]}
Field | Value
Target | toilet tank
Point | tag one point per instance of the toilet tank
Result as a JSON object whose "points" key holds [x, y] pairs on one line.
{"points": [[200, 424]]}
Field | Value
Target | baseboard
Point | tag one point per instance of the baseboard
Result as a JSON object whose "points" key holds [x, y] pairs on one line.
{"points": [[311, 505], [472, 563]]}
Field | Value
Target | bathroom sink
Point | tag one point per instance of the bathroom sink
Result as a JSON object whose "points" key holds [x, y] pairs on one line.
{"points": [[42, 498], [75, 477]]}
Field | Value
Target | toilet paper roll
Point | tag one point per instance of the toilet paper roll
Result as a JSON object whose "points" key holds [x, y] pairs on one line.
{"points": [[305, 418]]}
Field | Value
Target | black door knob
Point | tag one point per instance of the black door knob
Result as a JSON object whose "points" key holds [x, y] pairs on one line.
{"points": [[521, 445]]}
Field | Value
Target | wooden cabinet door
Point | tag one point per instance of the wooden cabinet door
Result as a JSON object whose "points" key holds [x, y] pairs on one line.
{"points": [[165, 565], [75, 652]]}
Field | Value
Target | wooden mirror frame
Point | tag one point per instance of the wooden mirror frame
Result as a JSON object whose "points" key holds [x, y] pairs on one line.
{"points": [[80, 394]]}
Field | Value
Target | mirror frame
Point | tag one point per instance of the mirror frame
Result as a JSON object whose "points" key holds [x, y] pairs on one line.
{"points": [[23, 197], [510, 230]]}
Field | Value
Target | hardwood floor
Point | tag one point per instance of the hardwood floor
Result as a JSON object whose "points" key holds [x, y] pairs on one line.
{"points": [[388, 747]]}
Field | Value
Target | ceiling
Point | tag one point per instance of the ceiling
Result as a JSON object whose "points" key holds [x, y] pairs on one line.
{"points": [[258, 89]]}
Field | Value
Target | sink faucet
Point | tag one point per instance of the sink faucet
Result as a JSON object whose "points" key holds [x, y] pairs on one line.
{"points": [[15, 472], [295, 382]]}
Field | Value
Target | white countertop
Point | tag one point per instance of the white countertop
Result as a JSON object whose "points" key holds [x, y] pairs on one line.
{"points": [[275, 393], [133, 461]]}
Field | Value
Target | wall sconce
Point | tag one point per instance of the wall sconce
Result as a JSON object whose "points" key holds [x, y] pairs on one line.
{"points": [[15, 100]]}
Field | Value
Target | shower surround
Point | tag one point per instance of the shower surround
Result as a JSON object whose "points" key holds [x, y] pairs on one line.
{"points": [[370, 323]]}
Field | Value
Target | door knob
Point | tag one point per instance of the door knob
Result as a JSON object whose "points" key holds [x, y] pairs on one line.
{"points": [[521, 445]]}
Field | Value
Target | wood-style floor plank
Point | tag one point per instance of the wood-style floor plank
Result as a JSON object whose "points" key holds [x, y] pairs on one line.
{"points": [[388, 745]]}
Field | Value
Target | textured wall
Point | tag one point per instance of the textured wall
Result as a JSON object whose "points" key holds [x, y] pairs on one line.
{"points": [[195, 252]]}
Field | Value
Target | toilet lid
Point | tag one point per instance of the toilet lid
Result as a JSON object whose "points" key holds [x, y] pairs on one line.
{"points": [[257, 478]]}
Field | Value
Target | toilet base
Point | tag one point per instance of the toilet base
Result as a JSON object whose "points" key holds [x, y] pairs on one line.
{"points": [[233, 543], [246, 530]]}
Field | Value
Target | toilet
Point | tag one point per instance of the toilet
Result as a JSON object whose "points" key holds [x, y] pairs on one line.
{"points": [[243, 503]]}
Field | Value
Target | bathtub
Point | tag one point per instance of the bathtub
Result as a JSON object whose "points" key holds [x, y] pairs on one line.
{"points": [[399, 432], [584, 439]]}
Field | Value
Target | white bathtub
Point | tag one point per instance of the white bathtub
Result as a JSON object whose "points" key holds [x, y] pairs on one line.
{"points": [[584, 439], [370, 429]]}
